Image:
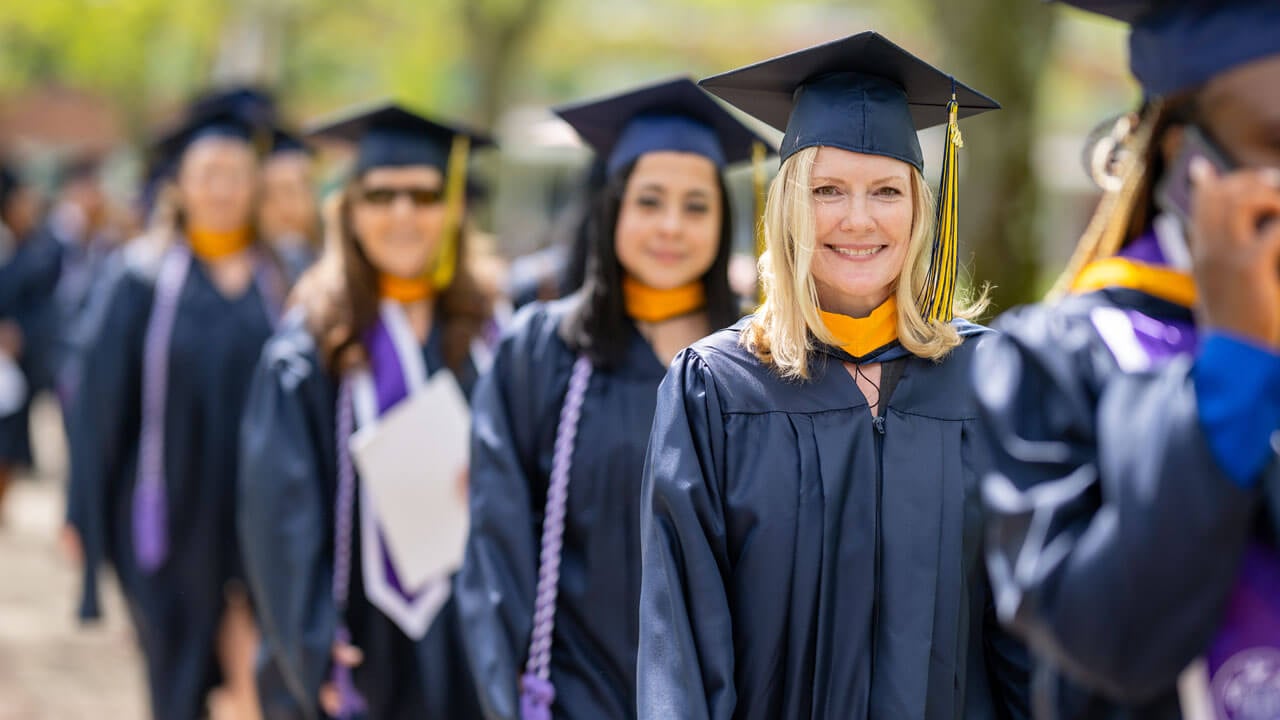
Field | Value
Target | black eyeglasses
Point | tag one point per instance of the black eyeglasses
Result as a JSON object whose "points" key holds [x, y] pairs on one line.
{"points": [[419, 196]]}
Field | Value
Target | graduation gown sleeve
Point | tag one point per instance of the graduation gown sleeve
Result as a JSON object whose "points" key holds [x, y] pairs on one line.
{"points": [[685, 665], [103, 424], [284, 510], [1110, 525], [495, 587]]}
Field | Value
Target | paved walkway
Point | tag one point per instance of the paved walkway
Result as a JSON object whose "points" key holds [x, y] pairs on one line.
{"points": [[51, 668]]}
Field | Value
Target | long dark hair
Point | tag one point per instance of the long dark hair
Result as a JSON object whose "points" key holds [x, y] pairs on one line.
{"points": [[598, 325], [340, 295]]}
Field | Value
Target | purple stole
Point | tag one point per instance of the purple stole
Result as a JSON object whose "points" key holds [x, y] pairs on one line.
{"points": [[1243, 660], [396, 369]]}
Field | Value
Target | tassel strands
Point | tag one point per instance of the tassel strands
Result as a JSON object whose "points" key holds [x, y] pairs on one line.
{"points": [[937, 297], [446, 265]]}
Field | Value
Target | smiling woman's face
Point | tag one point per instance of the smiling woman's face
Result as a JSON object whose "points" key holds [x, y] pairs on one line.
{"points": [[668, 229], [863, 212], [398, 216]]}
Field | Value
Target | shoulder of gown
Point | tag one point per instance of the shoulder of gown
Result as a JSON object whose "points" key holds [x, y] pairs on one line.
{"points": [[1108, 523], [746, 385]]}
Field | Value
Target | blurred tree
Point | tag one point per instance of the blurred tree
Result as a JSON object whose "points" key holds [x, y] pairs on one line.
{"points": [[499, 32], [1001, 47]]}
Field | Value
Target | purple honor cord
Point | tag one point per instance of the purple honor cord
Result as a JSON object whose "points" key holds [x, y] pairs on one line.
{"points": [[351, 703], [537, 692]]}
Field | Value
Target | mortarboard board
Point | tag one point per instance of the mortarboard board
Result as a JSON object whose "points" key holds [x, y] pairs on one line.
{"points": [[1177, 45], [867, 95], [673, 115], [861, 93], [389, 135]]}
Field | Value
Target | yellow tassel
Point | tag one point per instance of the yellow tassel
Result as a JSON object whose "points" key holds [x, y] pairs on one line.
{"points": [[455, 194], [758, 153], [937, 297]]}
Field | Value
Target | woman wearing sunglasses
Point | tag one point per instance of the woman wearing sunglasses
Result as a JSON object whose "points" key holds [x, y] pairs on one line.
{"points": [[390, 306]]}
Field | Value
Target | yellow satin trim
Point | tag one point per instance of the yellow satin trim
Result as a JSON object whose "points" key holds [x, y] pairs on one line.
{"points": [[859, 336], [648, 304], [1165, 283], [210, 245], [403, 290]]}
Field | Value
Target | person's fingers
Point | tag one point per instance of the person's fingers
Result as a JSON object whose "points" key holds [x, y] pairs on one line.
{"points": [[1228, 210], [330, 700], [1251, 202], [1202, 172], [348, 655], [72, 549]]}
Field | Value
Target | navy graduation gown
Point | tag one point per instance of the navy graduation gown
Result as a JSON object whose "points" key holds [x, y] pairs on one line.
{"points": [[28, 280], [804, 560], [1104, 493], [215, 344], [517, 411], [288, 482]]}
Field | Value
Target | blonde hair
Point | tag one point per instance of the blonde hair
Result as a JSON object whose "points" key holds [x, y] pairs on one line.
{"points": [[786, 327]]}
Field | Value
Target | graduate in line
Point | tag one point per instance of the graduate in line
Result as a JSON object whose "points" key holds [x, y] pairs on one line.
{"points": [[549, 590], [811, 535], [289, 214], [1134, 494], [28, 274], [390, 307], [168, 363]]}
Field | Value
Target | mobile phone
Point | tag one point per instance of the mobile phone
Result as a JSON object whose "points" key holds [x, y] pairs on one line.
{"points": [[1173, 193]]}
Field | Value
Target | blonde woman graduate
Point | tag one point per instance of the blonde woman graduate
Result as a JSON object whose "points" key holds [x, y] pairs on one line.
{"points": [[550, 587], [385, 329], [810, 520]]}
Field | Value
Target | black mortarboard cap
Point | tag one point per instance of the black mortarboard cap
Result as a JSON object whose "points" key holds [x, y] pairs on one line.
{"points": [[673, 115], [862, 93], [388, 135], [221, 123], [254, 104], [284, 141], [1177, 45]]}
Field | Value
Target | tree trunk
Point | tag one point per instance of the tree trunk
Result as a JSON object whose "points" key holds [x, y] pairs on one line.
{"points": [[1000, 47], [498, 38]]}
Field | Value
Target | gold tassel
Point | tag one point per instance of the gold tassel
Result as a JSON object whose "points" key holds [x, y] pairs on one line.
{"points": [[758, 154], [1105, 234], [455, 197], [937, 297]]}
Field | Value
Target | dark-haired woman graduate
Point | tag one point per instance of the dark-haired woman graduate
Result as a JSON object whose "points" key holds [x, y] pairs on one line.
{"points": [[550, 585], [1135, 417], [389, 310], [812, 541], [166, 371]]}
